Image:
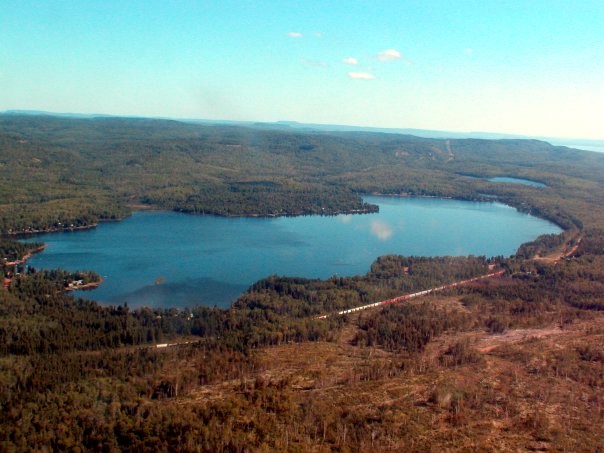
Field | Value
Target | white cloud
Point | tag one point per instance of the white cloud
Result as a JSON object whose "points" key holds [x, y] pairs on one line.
{"points": [[295, 34], [381, 230], [350, 60], [389, 55], [361, 75]]}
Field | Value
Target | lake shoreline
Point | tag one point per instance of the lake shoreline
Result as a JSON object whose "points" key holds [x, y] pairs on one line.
{"points": [[25, 257], [25, 233], [410, 195], [140, 207], [86, 286], [340, 246]]}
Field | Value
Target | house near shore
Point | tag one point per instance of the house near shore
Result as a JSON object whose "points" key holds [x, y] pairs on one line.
{"points": [[75, 283]]}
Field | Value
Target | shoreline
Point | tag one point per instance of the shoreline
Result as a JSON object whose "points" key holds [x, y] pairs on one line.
{"points": [[147, 208], [17, 234], [52, 230], [27, 256], [410, 195], [86, 286], [139, 207]]}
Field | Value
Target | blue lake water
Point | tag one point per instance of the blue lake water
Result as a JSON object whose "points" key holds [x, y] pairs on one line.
{"points": [[166, 259], [599, 148], [524, 182]]}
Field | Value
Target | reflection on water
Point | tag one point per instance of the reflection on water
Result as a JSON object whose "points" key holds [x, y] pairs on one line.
{"points": [[210, 260], [381, 230], [188, 292]]}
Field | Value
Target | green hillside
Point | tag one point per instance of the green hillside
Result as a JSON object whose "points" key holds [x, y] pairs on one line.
{"points": [[63, 171]]}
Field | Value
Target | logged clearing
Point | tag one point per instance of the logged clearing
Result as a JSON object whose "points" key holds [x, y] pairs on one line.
{"points": [[536, 389]]}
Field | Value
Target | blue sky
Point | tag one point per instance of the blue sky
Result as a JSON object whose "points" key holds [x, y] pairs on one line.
{"points": [[527, 67]]}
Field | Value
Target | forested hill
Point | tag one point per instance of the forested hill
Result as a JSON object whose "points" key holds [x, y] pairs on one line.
{"points": [[58, 172], [486, 365]]}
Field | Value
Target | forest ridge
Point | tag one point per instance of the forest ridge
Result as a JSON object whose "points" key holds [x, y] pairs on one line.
{"points": [[80, 171]]}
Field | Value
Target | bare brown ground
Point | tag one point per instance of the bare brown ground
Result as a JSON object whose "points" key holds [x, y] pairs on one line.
{"points": [[564, 251], [487, 343], [529, 389]]}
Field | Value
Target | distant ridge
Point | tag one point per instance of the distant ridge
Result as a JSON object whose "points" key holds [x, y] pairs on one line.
{"points": [[62, 115], [587, 144], [425, 133]]}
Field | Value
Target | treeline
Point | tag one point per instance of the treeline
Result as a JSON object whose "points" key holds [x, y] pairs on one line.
{"points": [[533, 295], [408, 328], [390, 276], [262, 200], [538, 293], [12, 251], [37, 317], [115, 400], [541, 245], [63, 214]]}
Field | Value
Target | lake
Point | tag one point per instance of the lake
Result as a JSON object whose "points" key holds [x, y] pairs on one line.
{"points": [[598, 146], [510, 180], [167, 259]]}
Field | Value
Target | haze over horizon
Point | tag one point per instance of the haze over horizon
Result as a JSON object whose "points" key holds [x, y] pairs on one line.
{"points": [[531, 69]]}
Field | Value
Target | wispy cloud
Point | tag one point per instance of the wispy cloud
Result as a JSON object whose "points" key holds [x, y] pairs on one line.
{"points": [[350, 60], [315, 63], [381, 230], [389, 55], [295, 34], [361, 75]]}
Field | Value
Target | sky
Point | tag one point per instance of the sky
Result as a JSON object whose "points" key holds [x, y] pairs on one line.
{"points": [[527, 67]]}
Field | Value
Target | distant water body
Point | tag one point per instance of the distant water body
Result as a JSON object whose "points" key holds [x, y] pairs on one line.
{"points": [[166, 259], [524, 182], [596, 148]]}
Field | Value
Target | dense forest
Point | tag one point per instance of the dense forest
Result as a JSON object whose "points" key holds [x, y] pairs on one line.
{"points": [[513, 362], [60, 173]]}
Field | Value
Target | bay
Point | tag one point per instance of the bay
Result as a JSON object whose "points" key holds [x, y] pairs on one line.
{"points": [[167, 259]]}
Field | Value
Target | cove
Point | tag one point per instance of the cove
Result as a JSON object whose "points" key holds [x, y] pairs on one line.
{"points": [[167, 259]]}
